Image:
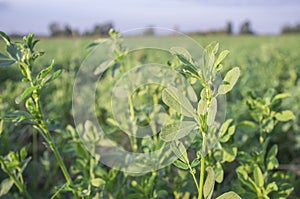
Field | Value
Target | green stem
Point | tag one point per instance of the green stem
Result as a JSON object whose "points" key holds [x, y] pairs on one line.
{"points": [[57, 155], [194, 177], [35, 155], [132, 137], [18, 184], [46, 134], [202, 168]]}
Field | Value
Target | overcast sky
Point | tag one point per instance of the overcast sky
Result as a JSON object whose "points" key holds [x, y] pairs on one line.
{"points": [[266, 16]]}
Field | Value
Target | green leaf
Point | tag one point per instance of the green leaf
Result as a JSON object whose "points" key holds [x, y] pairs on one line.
{"points": [[23, 152], [209, 184], [5, 38], [245, 180], [229, 154], [195, 162], [6, 62], [17, 116], [13, 51], [268, 125], [229, 195], [181, 165], [104, 66], [54, 76], [285, 116], [34, 43], [3, 56], [219, 172], [225, 133], [175, 99], [180, 151], [203, 103], [162, 194], [258, 177], [177, 130], [229, 134], [112, 122], [98, 182], [212, 111], [224, 127], [281, 96], [5, 186], [271, 160], [45, 71], [25, 94], [1, 127], [220, 58], [247, 126], [229, 81], [271, 187], [212, 48], [183, 55], [25, 163]]}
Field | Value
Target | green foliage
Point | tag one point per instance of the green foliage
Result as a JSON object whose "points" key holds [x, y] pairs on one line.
{"points": [[255, 171], [253, 150], [204, 117]]}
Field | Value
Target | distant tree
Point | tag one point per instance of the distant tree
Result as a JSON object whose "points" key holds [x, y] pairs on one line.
{"points": [[66, 31], [102, 29], [291, 29], [55, 29], [246, 28], [149, 31], [229, 28]]}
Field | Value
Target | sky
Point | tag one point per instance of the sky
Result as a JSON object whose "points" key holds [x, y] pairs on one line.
{"points": [[266, 16]]}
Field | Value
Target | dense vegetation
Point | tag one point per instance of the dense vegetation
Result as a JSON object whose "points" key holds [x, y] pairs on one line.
{"points": [[258, 144]]}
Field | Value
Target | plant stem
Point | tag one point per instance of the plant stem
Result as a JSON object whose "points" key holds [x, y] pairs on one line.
{"points": [[47, 136], [202, 167], [194, 177], [35, 155], [16, 181], [43, 130]]}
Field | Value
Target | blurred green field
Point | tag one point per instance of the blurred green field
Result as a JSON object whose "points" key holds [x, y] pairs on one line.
{"points": [[265, 62]]}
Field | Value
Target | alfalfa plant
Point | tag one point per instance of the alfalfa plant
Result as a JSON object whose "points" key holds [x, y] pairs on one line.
{"points": [[257, 175], [24, 55], [206, 168]]}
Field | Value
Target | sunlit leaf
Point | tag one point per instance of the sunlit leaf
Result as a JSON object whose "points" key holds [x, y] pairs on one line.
{"points": [[5, 186], [5, 38], [258, 177], [25, 94], [271, 160], [180, 151], [54, 76], [183, 55], [285, 116], [229, 81], [97, 182], [229, 195], [177, 130], [219, 172], [175, 99], [181, 165], [212, 111], [45, 71], [209, 184], [220, 58]]}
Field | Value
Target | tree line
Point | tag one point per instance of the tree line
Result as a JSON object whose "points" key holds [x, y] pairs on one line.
{"points": [[102, 29], [56, 30]]}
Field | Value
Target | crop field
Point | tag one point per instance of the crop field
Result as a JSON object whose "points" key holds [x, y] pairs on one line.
{"points": [[235, 135]]}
